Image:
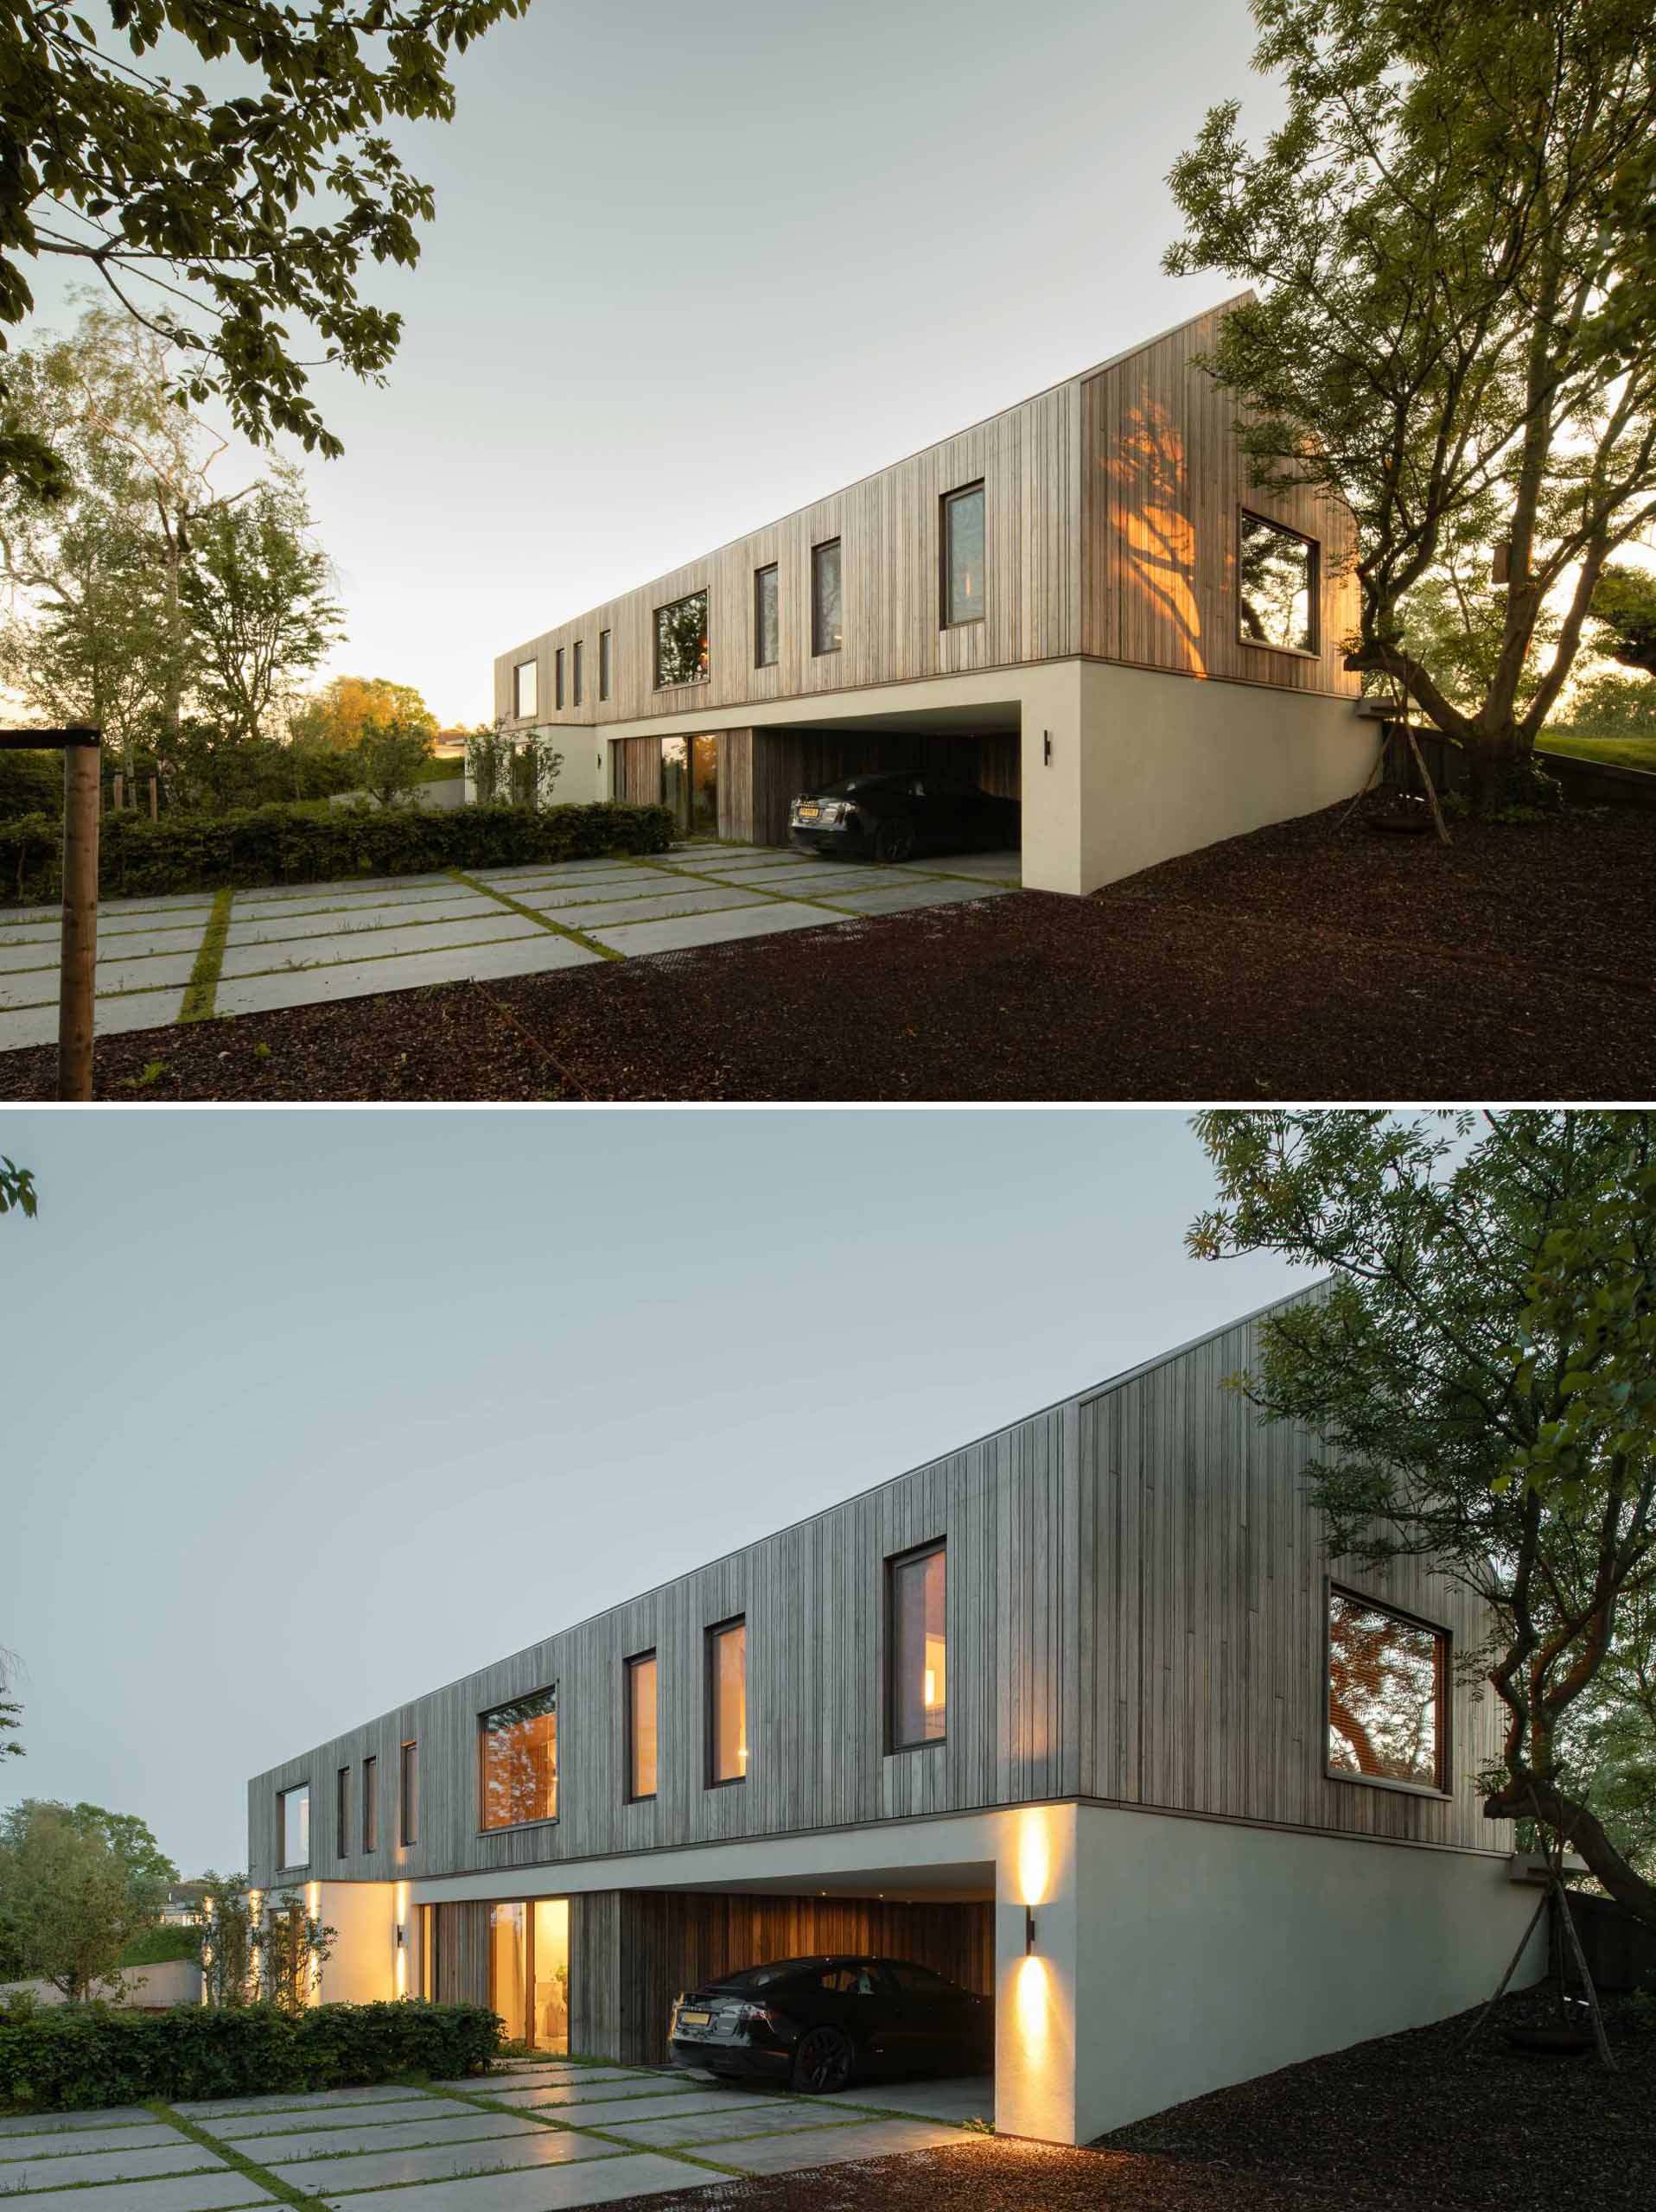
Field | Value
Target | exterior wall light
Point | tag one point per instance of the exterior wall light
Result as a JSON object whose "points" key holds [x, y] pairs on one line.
{"points": [[1046, 748], [1028, 1931]]}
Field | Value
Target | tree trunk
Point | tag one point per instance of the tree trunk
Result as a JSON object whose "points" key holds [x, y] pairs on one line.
{"points": [[1499, 764], [1525, 1796]]}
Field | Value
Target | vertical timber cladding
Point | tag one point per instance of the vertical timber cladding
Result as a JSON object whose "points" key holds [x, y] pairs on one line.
{"points": [[461, 1944], [644, 1947]]}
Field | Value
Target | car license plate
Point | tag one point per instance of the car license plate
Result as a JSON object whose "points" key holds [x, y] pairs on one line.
{"points": [[688, 2019], [809, 813]]}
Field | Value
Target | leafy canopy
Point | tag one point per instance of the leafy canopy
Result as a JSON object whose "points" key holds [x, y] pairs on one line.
{"points": [[1480, 1372], [1450, 237], [225, 219], [77, 1885]]}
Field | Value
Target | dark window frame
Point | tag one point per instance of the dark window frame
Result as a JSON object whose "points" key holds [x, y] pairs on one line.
{"points": [[1444, 1786], [714, 1630], [894, 1561], [342, 1812], [1313, 589], [946, 619], [819, 651], [289, 1866], [371, 1802], [772, 570], [668, 607], [408, 1793], [542, 1820], [577, 671], [636, 1659], [558, 680], [606, 658], [519, 712]]}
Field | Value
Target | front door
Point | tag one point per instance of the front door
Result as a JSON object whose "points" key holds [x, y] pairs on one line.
{"points": [[704, 787]]}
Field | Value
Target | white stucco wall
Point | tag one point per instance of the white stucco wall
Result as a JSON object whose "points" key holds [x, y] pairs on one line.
{"points": [[362, 1969], [173, 1981]]}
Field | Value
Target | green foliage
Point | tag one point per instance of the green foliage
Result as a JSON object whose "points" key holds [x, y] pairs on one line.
{"points": [[388, 758], [522, 769], [226, 1942], [337, 714], [59, 2061], [1624, 608], [260, 205], [75, 1889], [17, 1190], [1481, 1372], [30, 783], [212, 771], [1613, 705], [160, 1945], [291, 1947], [297, 844], [12, 1180], [1450, 239], [257, 595]]}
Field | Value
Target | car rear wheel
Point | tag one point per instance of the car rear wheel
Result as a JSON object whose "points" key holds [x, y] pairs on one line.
{"points": [[893, 842], [823, 2060]]}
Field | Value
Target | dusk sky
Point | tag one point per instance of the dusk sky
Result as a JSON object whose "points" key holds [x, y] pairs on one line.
{"points": [[307, 1412], [693, 267]]}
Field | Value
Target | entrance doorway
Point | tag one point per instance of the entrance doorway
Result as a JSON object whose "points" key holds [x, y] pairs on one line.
{"points": [[529, 1971], [690, 784]]}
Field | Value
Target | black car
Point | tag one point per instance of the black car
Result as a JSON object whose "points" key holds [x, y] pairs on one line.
{"points": [[817, 2024], [894, 814]]}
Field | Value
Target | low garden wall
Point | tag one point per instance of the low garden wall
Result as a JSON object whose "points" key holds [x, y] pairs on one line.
{"points": [[1585, 783], [317, 845], [173, 1981]]}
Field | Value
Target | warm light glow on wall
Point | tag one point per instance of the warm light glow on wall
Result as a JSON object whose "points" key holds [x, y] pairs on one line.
{"points": [[314, 1909], [1031, 2001], [1034, 1856], [399, 1937]]}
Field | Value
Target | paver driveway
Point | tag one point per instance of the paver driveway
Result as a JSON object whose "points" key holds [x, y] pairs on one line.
{"points": [[545, 2135], [167, 959]]}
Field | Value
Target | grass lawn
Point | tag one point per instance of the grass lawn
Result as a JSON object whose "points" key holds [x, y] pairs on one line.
{"points": [[1619, 752], [1310, 961], [1406, 2124], [157, 1946]]}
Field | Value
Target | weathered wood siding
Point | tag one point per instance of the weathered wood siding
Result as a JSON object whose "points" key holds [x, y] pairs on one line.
{"points": [[1134, 1613], [1163, 488]]}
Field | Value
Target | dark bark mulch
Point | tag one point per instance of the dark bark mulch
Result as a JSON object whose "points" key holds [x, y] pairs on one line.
{"points": [[1406, 2124], [1302, 962]]}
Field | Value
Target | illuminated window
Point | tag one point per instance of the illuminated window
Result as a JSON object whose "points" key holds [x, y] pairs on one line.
{"points": [[526, 686], [1276, 587], [371, 1804], [640, 1725], [293, 1825], [529, 1970], [917, 1647], [520, 1761], [579, 656], [408, 1795], [342, 1812], [604, 650], [1388, 1694], [681, 641], [768, 632], [827, 611], [558, 680], [963, 555], [726, 1702]]}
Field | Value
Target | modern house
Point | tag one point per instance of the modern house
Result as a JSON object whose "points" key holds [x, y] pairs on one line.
{"points": [[1081, 603], [1081, 1713]]}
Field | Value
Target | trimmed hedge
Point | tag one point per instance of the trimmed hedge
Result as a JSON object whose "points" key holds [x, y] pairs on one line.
{"points": [[305, 845], [57, 2061]]}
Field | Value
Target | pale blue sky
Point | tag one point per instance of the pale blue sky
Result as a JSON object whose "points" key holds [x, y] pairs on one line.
{"points": [[306, 1412], [694, 266]]}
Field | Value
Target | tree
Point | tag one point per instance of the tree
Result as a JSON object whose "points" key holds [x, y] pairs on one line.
{"points": [[1481, 1372], [1451, 233], [1612, 705], [339, 714], [11, 1710], [68, 1902], [224, 223], [257, 594], [1624, 608], [17, 1193], [291, 1945], [388, 758], [226, 1937]]}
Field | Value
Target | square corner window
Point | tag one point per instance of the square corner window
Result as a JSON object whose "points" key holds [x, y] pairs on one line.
{"points": [[1275, 587], [525, 691], [1388, 1695]]}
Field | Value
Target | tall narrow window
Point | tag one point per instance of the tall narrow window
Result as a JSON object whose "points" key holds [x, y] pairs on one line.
{"points": [[963, 555], [827, 623], [767, 627], [342, 1814], [519, 1761], [1276, 587], [681, 654], [604, 649], [917, 1647], [558, 680], [640, 1725], [293, 1825], [408, 1795], [726, 1702], [1388, 1695], [579, 656], [371, 1804], [429, 1980], [525, 687]]}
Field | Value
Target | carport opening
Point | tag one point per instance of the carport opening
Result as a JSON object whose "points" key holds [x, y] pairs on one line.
{"points": [[789, 763]]}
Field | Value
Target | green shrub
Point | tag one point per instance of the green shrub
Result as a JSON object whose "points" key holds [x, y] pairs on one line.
{"points": [[310, 844], [91, 2056], [159, 1945], [30, 783]]}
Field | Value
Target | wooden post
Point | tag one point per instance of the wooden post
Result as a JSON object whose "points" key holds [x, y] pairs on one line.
{"points": [[118, 783], [154, 800], [77, 981]]}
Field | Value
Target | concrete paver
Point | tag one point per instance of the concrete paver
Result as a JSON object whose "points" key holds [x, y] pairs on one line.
{"points": [[296, 953], [177, 2156], [817, 2146], [356, 923], [384, 2127], [81, 2134], [691, 930], [777, 2117], [192, 2193], [591, 2181], [525, 955], [960, 2097], [599, 2112], [535, 2147], [61, 2123], [299, 2101]]}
